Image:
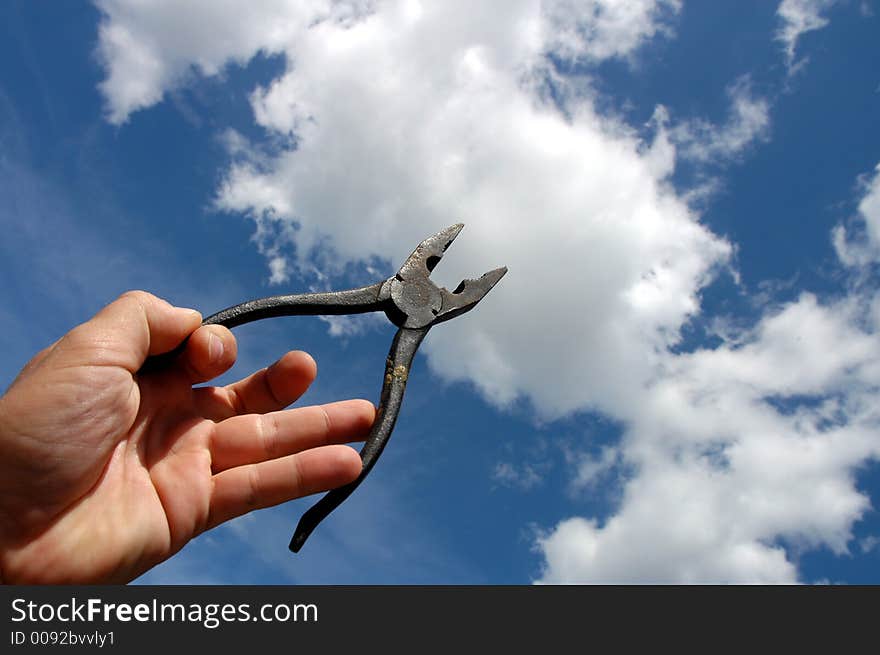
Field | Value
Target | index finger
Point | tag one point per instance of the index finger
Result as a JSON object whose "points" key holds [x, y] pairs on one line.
{"points": [[267, 390]]}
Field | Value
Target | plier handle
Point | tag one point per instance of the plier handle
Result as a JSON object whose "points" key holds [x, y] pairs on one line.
{"points": [[413, 303]]}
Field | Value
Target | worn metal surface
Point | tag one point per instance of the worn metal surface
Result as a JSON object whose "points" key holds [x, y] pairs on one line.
{"points": [[397, 367], [413, 303]]}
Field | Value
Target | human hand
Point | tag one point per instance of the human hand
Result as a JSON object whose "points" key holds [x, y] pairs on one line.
{"points": [[105, 472]]}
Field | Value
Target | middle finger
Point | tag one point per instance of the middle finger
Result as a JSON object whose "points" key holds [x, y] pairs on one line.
{"points": [[254, 438]]}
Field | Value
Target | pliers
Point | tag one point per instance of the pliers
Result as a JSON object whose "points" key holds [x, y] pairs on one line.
{"points": [[413, 303]]}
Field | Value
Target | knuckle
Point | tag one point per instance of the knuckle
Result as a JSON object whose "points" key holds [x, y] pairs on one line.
{"points": [[269, 386], [297, 475], [252, 495], [139, 296], [328, 421], [235, 400], [269, 435]]}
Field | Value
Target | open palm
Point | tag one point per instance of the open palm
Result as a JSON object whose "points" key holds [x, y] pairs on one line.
{"points": [[105, 472]]}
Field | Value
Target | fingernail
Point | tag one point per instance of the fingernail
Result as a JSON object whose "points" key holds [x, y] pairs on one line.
{"points": [[215, 347], [187, 314]]}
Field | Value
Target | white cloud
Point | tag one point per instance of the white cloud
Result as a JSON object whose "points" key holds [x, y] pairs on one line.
{"points": [[522, 477], [603, 29], [799, 17], [748, 122], [590, 469], [278, 267], [741, 451], [861, 245], [150, 48], [404, 117]]}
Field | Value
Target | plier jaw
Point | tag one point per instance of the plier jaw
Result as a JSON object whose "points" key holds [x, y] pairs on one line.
{"points": [[416, 301]]}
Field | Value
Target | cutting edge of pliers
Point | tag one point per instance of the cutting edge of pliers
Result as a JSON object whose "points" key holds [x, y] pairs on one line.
{"points": [[413, 303]]}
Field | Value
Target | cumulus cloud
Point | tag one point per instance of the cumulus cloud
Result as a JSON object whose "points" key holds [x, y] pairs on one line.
{"points": [[740, 451], [799, 17], [400, 118], [150, 48]]}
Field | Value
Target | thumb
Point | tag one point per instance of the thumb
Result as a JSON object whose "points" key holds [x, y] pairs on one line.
{"points": [[131, 328]]}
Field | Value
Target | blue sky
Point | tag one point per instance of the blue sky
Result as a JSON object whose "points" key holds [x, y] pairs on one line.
{"points": [[677, 379]]}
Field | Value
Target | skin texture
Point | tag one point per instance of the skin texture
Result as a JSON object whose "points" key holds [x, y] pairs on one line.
{"points": [[105, 472]]}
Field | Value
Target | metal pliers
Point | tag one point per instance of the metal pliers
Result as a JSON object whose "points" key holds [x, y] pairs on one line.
{"points": [[413, 303]]}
